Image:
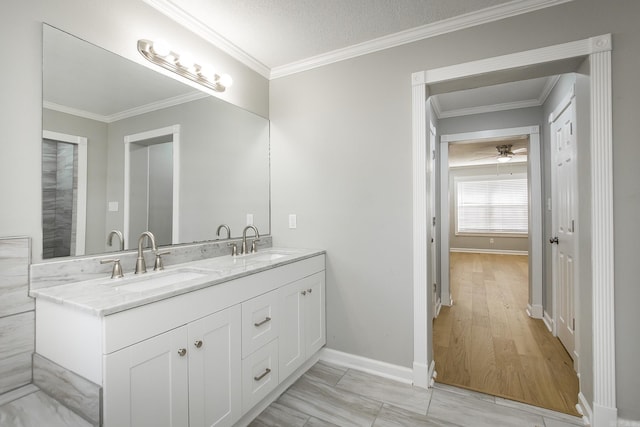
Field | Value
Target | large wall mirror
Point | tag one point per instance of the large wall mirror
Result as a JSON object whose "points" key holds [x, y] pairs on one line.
{"points": [[127, 148]]}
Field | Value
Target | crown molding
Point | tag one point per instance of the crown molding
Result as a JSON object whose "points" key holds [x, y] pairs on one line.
{"points": [[196, 26], [165, 103], [494, 13]]}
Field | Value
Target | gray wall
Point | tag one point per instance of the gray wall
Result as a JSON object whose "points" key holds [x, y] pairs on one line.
{"points": [[341, 160], [500, 243]]}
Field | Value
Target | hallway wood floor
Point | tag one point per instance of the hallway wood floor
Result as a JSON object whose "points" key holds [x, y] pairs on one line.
{"points": [[486, 341]]}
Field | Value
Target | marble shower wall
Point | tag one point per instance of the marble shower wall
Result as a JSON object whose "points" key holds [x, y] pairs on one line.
{"points": [[17, 314]]}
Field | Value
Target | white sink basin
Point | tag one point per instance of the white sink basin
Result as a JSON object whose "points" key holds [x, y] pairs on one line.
{"points": [[157, 280], [259, 257]]}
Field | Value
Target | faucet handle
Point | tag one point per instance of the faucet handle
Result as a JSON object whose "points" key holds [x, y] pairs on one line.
{"points": [[234, 248], [254, 248], [159, 265], [116, 273]]}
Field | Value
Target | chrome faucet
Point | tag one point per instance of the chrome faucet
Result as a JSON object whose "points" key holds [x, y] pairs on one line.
{"points": [[244, 240], [226, 227], [116, 233], [141, 267]]}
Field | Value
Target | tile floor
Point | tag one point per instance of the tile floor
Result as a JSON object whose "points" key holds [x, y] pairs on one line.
{"points": [[330, 395]]}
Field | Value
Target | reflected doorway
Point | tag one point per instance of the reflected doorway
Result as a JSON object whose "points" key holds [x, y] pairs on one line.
{"points": [[64, 194], [151, 184]]}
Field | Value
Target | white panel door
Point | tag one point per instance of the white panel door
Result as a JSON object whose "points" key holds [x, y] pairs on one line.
{"points": [[565, 223], [146, 384], [215, 392]]}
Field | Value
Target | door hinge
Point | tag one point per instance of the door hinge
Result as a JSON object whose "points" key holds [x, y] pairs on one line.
{"points": [[571, 128], [435, 288], [433, 154], [573, 226], [433, 221], [573, 326]]}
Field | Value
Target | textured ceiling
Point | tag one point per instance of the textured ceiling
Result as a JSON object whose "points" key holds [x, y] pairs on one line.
{"points": [[280, 32]]}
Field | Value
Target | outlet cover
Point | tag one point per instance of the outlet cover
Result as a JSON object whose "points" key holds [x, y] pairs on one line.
{"points": [[293, 221]]}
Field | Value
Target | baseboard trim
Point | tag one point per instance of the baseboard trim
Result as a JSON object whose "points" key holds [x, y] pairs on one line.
{"points": [[627, 423], [584, 409], [604, 416], [438, 307], [489, 251], [535, 311], [548, 321], [432, 373], [371, 366]]}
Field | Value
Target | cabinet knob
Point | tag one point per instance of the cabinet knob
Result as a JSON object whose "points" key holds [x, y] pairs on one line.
{"points": [[198, 343], [304, 292], [309, 290], [182, 352]]}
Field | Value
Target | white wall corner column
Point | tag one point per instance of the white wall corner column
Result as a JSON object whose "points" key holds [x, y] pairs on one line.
{"points": [[421, 358], [602, 249], [536, 238]]}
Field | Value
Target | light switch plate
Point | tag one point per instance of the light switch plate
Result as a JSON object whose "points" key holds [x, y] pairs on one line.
{"points": [[249, 219], [113, 206], [293, 221]]}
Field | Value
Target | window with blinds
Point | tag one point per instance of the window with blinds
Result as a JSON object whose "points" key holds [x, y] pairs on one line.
{"points": [[492, 205]]}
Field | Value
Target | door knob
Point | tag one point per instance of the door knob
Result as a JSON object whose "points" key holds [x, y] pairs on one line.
{"points": [[554, 240]]}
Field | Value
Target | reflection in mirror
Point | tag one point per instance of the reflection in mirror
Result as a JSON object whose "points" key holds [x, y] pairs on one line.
{"points": [[219, 174]]}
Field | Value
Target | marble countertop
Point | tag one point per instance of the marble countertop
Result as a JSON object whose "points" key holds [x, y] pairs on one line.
{"points": [[105, 296]]}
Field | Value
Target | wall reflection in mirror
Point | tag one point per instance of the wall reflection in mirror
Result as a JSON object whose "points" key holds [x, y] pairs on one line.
{"points": [[127, 148]]}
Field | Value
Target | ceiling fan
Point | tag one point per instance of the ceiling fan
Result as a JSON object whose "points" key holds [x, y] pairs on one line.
{"points": [[505, 154]]}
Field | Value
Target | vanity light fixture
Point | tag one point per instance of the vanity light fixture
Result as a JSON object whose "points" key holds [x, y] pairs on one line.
{"points": [[161, 54]]}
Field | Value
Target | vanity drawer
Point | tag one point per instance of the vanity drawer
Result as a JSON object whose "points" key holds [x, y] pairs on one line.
{"points": [[259, 375], [260, 319]]}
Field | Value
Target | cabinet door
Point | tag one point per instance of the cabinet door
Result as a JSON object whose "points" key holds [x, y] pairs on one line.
{"points": [[215, 392], [314, 313], [146, 384], [291, 339]]}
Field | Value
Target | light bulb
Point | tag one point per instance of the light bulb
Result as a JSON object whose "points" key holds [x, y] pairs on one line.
{"points": [[186, 61], [208, 72], [225, 80], [160, 48]]}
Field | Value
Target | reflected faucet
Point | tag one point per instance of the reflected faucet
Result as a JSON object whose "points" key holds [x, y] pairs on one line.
{"points": [[141, 267], [116, 233], [244, 240], [226, 227]]}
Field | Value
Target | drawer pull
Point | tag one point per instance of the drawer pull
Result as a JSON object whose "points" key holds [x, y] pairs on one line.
{"points": [[182, 352], [266, 319], [198, 343], [262, 375]]}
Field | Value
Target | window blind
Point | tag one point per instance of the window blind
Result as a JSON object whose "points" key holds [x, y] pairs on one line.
{"points": [[492, 206]]}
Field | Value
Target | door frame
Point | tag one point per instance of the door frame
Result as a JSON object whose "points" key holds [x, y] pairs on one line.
{"points": [[598, 51], [534, 178], [174, 131], [81, 192]]}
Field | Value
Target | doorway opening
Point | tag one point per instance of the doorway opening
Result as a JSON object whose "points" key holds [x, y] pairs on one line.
{"points": [[151, 185], [64, 194], [537, 62]]}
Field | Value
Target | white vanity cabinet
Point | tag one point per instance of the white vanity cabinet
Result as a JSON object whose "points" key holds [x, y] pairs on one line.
{"points": [[187, 376], [302, 330], [193, 358]]}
